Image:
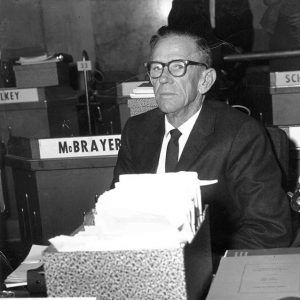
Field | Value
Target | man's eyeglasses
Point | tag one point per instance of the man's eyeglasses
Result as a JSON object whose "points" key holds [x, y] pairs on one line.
{"points": [[176, 67]]}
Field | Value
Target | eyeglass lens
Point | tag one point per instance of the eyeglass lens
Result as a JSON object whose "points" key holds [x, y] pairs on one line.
{"points": [[176, 68]]}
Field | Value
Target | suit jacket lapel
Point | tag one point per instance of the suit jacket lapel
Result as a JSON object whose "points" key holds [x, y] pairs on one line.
{"points": [[197, 140], [152, 142]]}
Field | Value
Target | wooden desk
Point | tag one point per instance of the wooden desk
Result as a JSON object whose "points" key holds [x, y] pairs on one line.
{"points": [[52, 195]]}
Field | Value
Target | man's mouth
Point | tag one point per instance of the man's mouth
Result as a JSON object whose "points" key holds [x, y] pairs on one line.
{"points": [[167, 94]]}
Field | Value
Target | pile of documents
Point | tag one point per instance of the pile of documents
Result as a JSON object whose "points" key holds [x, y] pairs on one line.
{"points": [[32, 261], [144, 211], [43, 58]]}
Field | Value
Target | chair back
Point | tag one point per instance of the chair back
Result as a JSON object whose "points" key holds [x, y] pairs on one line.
{"points": [[280, 144]]}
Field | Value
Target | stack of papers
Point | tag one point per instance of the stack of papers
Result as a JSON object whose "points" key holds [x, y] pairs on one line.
{"points": [[144, 211], [144, 90], [33, 260], [44, 58]]}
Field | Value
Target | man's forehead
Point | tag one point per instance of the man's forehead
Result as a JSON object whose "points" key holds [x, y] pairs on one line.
{"points": [[181, 46]]}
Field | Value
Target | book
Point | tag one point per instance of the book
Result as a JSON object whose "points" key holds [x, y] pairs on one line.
{"points": [[132, 95], [126, 87], [144, 88]]}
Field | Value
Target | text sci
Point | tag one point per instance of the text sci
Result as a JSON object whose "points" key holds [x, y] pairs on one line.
{"points": [[292, 78]]}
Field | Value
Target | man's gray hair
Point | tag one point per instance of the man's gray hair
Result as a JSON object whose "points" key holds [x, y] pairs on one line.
{"points": [[200, 42]]}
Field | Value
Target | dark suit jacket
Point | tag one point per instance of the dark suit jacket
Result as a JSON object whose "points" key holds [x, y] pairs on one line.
{"points": [[249, 209]]}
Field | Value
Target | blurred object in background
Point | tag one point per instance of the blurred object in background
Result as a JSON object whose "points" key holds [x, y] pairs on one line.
{"points": [[230, 32], [8, 57], [282, 21]]}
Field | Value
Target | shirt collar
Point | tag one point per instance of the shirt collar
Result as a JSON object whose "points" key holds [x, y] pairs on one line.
{"points": [[186, 127]]}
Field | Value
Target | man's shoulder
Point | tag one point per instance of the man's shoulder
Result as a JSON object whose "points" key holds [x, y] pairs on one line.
{"points": [[227, 113], [231, 120], [144, 123], [149, 116]]}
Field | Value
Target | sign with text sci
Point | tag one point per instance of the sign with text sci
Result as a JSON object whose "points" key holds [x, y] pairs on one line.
{"points": [[285, 79], [102, 145]]}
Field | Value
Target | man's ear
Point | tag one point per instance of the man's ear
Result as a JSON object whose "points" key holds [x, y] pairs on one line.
{"points": [[207, 80], [151, 81]]}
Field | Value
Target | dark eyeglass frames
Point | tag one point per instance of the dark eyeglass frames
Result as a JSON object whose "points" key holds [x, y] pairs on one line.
{"points": [[176, 68]]}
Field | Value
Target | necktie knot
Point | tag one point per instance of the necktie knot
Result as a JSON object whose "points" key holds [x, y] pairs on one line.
{"points": [[175, 135], [172, 151]]}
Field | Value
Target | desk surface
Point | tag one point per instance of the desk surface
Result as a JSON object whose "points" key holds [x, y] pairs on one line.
{"points": [[61, 163]]}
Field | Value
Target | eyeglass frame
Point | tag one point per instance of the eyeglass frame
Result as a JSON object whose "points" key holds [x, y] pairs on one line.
{"points": [[186, 63]]}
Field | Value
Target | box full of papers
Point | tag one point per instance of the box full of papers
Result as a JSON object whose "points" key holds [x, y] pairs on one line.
{"points": [[148, 270], [180, 273]]}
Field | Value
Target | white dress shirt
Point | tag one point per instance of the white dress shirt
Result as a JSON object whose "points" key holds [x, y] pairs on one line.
{"points": [[185, 130]]}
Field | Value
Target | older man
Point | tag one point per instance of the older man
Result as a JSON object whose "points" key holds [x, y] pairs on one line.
{"points": [[248, 207]]}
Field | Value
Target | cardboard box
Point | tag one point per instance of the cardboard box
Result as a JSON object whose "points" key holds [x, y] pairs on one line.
{"points": [[140, 105], [42, 74], [183, 273]]}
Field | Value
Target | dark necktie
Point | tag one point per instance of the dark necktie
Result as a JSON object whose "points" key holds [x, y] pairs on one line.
{"points": [[172, 151]]}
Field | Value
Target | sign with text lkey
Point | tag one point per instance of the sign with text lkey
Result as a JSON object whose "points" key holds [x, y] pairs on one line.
{"points": [[102, 145], [19, 95]]}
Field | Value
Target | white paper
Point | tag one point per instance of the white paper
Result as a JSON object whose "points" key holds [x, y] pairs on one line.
{"points": [[144, 211], [254, 277], [32, 261], [266, 278]]}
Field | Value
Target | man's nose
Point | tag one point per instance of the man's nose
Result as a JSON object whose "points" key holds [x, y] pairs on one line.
{"points": [[165, 76]]}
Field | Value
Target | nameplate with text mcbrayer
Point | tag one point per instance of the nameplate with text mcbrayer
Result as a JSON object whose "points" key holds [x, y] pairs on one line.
{"points": [[65, 147], [102, 145]]}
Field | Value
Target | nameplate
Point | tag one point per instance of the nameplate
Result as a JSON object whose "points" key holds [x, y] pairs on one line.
{"points": [[18, 95], [285, 79], [103, 145]]}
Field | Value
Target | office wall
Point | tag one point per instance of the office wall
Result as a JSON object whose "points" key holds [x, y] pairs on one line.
{"points": [[261, 38], [115, 33], [21, 24]]}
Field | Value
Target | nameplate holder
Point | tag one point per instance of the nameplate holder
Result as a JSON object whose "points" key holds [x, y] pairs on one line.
{"points": [[285, 79], [84, 146], [13, 96]]}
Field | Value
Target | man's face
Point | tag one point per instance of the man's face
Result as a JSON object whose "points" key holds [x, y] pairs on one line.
{"points": [[176, 94]]}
